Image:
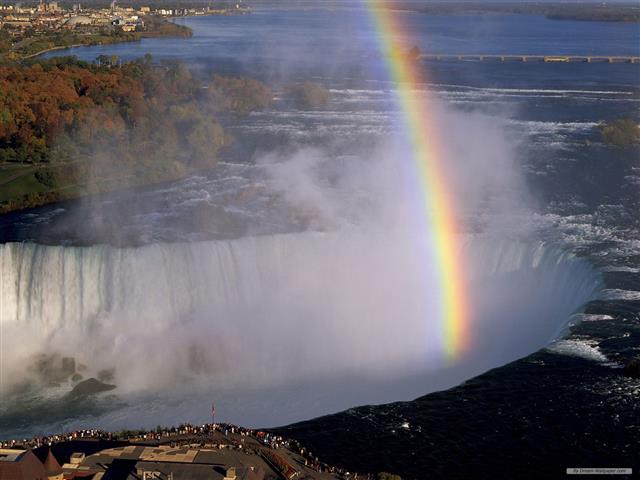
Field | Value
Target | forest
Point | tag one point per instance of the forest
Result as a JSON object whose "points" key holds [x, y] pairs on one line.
{"points": [[69, 128]]}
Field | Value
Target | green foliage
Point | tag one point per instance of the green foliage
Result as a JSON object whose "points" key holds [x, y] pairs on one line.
{"points": [[5, 41], [240, 95], [387, 476], [22, 190], [622, 132], [8, 155], [46, 178], [159, 27], [309, 95]]}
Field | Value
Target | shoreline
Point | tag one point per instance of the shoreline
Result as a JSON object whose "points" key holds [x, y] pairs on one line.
{"points": [[143, 35], [176, 31], [47, 50], [59, 196], [97, 44]]}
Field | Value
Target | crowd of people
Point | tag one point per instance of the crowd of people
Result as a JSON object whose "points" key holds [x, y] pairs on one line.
{"points": [[48, 440], [183, 434], [187, 434]]}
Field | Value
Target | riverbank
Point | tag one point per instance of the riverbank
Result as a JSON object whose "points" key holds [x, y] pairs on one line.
{"points": [[43, 42], [623, 13], [36, 196], [52, 49]]}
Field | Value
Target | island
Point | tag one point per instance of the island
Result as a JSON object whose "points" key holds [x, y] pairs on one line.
{"points": [[70, 128], [621, 132]]}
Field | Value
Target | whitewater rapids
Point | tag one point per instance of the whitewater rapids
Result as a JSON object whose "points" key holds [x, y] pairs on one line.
{"points": [[269, 311]]}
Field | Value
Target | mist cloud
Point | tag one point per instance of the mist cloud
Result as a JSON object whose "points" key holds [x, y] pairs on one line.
{"points": [[351, 292]]}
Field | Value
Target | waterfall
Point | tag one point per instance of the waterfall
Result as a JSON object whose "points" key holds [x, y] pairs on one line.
{"points": [[261, 310]]}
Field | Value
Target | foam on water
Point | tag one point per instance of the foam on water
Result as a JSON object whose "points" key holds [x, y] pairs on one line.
{"points": [[578, 348], [619, 294], [591, 317]]}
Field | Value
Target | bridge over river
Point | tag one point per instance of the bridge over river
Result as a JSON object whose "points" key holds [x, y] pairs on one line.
{"points": [[532, 58]]}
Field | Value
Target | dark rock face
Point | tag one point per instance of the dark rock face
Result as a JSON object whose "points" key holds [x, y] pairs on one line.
{"points": [[632, 368], [90, 386], [52, 370], [106, 375], [69, 365]]}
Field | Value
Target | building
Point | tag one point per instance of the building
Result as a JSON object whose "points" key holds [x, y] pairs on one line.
{"points": [[187, 471], [51, 7], [78, 21], [20, 465], [165, 462], [52, 468]]}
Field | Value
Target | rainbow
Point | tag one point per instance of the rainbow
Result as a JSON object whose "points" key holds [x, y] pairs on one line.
{"points": [[436, 195]]}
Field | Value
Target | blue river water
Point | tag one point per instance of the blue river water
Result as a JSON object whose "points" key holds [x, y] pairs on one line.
{"points": [[552, 110], [344, 42]]}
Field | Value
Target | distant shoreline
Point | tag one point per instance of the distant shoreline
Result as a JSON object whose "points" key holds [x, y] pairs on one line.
{"points": [[159, 28], [622, 13], [47, 50], [627, 12]]}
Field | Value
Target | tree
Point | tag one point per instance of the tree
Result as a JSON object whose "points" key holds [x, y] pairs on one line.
{"points": [[387, 476], [103, 60], [309, 95], [240, 95], [414, 53], [622, 132]]}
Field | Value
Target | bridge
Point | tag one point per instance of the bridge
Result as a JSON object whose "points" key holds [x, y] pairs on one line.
{"points": [[532, 58]]}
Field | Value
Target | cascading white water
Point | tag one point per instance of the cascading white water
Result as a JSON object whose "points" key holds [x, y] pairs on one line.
{"points": [[275, 328], [272, 309]]}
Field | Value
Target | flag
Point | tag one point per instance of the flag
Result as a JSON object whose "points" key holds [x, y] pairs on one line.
{"points": [[213, 410]]}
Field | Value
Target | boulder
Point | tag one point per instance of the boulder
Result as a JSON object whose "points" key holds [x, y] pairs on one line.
{"points": [[106, 375], [52, 370], [90, 386], [632, 368], [68, 365]]}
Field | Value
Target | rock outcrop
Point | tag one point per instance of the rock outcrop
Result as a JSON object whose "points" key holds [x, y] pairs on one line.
{"points": [[90, 386], [632, 368]]}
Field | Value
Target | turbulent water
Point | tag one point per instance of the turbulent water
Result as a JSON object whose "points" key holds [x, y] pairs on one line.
{"points": [[224, 285]]}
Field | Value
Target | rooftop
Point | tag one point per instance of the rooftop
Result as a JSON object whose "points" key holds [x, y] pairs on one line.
{"points": [[10, 455]]}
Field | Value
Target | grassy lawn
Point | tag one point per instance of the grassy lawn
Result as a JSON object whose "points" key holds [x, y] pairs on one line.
{"points": [[23, 184], [8, 170], [18, 180]]}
